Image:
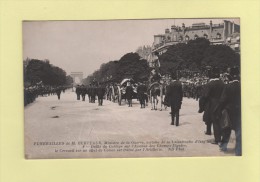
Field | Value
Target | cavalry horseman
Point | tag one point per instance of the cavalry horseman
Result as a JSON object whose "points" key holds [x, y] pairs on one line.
{"points": [[155, 87]]}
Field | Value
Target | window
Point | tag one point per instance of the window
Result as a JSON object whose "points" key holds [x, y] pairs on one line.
{"points": [[218, 36]]}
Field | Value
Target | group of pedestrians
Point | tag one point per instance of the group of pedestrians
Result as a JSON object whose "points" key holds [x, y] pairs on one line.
{"points": [[32, 92], [93, 91], [221, 104]]}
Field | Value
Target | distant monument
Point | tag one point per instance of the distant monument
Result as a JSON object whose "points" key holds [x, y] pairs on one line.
{"points": [[77, 78]]}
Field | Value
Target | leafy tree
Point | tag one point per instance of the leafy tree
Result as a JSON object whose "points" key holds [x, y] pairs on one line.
{"points": [[129, 66], [197, 54], [69, 80], [36, 71]]}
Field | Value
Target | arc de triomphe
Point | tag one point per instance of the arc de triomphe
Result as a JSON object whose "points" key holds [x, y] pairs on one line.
{"points": [[77, 77]]}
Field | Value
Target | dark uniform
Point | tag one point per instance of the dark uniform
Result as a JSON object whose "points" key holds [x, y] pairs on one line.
{"points": [[92, 93], [204, 107], [174, 94], [129, 95], [83, 92], [231, 101], [100, 93], [58, 92], [78, 92], [141, 94], [212, 94]]}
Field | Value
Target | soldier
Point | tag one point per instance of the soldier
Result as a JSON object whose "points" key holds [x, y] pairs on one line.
{"points": [[141, 90], [129, 94], [78, 92], [58, 92], [174, 94], [92, 93], [155, 76], [212, 94], [83, 92], [100, 93]]}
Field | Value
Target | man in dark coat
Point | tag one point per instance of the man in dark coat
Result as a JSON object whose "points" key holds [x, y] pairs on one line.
{"points": [[93, 93], [78, 92], [174, 94], [231, 101], [204, 107], [83, 92], [141, 92], [58, 92], [100, 93], [212, 94], [129, 94]]}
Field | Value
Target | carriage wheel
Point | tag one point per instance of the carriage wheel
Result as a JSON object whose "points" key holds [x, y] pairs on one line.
{"points": [[119, 96]]}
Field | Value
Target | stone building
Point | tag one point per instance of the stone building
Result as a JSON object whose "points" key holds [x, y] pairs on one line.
{"points": [[224, 33]]}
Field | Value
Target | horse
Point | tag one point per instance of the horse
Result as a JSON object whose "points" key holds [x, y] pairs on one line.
{"points": [[155, 91]]}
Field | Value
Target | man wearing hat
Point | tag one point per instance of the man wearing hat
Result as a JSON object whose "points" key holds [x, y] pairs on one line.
{"points": [[129, 94], [78, 92], [58, 92], [231, 101], [100, 93], [212, 94], [174, 94]]}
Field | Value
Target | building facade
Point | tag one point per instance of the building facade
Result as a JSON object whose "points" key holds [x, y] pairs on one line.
{"points": [[227, 33]]}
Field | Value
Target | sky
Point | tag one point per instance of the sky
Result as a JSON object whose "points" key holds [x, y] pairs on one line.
{"points": [[82, 46]]}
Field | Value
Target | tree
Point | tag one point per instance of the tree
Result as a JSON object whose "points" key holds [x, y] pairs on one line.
{"points": [[36, 71], [69, 80], [130, 65], [197, 54]]}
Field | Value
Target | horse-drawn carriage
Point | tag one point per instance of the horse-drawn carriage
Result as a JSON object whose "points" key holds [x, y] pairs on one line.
{"points": [[121, 90], [117, 92]]}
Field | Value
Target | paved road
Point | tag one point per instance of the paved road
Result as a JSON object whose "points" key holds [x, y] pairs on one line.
{"points": [[64, 129]]}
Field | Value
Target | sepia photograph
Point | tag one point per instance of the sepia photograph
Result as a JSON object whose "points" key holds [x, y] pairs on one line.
{"points": [[132, 88]]}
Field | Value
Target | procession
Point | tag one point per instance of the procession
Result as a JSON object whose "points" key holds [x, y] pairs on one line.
{"points": [[217, 100], [160, 84]]}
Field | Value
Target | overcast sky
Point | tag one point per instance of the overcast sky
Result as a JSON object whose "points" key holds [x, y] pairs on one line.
{"points": [[85, 45]]}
